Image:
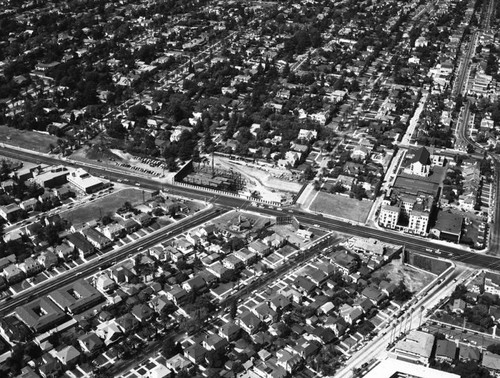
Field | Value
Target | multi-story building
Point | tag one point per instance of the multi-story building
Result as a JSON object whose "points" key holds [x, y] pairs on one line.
{"points": [[419, 221], [389, 216], [97, 239]]}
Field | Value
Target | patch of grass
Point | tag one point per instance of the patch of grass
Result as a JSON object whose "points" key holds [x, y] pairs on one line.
{"points": [[103, 206], [341, 206], [31, 140]]}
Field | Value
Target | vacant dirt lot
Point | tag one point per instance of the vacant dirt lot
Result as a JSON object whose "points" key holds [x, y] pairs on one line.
{"points": [[414, 279], [105, 205], [27, 139], [341, 206]]}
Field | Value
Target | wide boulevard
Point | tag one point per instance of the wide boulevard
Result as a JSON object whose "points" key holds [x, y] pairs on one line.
{"points": [[425, 246]]}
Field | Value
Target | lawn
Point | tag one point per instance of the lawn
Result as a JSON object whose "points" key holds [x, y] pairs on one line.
{"points": [[27, 139], [102, 206], [341, 206]]}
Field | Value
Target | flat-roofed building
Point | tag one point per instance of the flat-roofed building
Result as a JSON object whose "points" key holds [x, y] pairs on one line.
{"points": [[448, 226], [10, 212], [416, 347], [84, 181], [57, 176], [492, 283], [392, 368], [389, 216], [419, 221]]}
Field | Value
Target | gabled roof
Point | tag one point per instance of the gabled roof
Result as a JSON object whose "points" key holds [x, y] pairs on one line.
{"points": [[68, 354], [446, 349], [91, 342]]}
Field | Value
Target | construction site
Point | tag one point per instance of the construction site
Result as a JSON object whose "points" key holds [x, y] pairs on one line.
{"points": [[206, 175]]}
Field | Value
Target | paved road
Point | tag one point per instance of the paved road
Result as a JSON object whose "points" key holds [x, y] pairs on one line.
{"points": [[409, 320], [411, 242]]}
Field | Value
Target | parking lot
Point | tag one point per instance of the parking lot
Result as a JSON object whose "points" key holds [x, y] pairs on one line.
{"points": [[147, 166]]}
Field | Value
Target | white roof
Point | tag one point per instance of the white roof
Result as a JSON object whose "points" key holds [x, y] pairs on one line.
{"points": [[391, 367]]}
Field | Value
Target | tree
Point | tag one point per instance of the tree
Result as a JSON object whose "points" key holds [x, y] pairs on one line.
{"points": [[115, 129], [215, 358], [138, 111], [494, 348], [401, 293], [169, 347], [233, 309], [106, 220]]}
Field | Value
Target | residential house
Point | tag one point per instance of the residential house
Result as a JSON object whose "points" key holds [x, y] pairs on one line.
{"points": [[63, 193], [10, 212], [143, 219], [97, 239], [82, 245], [104, 283], [491, 361], [265, 313], [49, 367], [90, 344], [373, 294], [48, 259], [469, 353], [288, 361], [64, 251], [458, 306], [248, 257], [68, 356], [274, 241], [195, 353], [122, 274], [178, 363], [109, 332], [249, 322], [31, 267], [304, 285], [142, 312], [446, 350], [13, 274], [129, 225], [177, 295], [230, 331], [113, 231], [195, 283], [215, 342], [127, 323], [29, 204], [231, 261]]}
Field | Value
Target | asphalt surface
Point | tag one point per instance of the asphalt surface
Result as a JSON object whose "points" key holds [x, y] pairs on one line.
{"points": [[418, 244]]}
